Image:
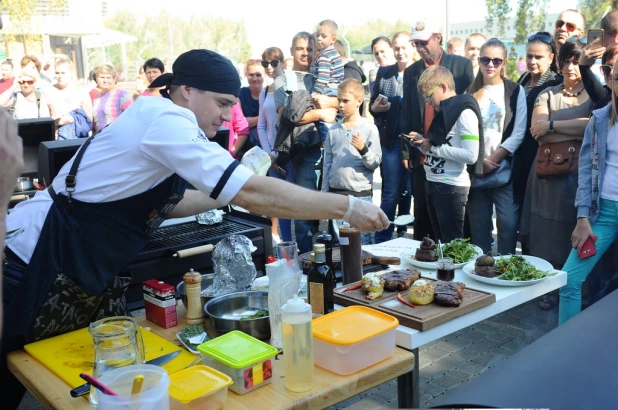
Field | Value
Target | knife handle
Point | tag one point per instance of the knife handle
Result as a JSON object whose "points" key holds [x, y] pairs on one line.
{"points": [[385, 260], [80, 390]]}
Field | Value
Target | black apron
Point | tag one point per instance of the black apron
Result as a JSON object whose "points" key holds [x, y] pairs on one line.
{"points": [[82, 248]]}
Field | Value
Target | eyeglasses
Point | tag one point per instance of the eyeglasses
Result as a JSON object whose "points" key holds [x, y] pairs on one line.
{"points": [[569, 26], [29, 82], [486, 60], [427, 98], [273, 63], [607, 69], [544, 38]]}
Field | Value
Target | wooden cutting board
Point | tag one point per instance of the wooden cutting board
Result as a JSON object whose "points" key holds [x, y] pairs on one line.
{"points": [[368, 259], [421, 317], [72, 353]]}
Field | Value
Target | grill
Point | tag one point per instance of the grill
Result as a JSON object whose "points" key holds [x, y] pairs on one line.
{"points": [[156, 260]]}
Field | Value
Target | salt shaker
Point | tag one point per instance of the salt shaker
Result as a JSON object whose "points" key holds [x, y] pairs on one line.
{"points": [[193, 286]]}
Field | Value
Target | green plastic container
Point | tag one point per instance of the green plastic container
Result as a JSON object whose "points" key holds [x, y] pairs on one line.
{"points": [[247, 360]]}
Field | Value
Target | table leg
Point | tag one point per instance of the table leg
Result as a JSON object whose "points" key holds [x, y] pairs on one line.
{"points": [[408, 387]]}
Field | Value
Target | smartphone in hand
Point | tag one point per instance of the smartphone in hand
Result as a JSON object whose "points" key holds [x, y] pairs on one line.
{"points": [[588, 250], [594, 34]]}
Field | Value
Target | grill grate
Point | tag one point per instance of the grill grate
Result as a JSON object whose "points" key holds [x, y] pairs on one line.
{"points": [[188, 233]]}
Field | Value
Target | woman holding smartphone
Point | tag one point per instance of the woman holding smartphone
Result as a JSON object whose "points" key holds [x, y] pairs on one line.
{"points": [[385, 107], [596, 201], [503, 107]]}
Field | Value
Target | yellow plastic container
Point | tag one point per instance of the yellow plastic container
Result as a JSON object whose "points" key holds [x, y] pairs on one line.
{"points": [[198, 387], [352, 339]]}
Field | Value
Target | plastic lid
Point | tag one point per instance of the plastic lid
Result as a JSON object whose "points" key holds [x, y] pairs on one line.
{"points": [[295, 305], [237, 349], [196, 381], [352, 325]]}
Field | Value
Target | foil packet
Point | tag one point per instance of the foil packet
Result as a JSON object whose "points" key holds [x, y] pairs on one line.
{"points": [[234, 268], [212, 217]]}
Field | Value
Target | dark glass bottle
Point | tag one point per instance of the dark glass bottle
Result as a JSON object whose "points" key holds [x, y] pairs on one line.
{"points": [[327, 241], [320, 283]]}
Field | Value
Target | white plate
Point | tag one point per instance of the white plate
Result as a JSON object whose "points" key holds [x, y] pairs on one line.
{"points": [[183, 343], [409, 256], [538, 263]]}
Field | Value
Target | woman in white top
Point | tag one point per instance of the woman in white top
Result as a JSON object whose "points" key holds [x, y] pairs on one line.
{"points": [[503, 107], [26, 102], [65, 96], [272, 61]]}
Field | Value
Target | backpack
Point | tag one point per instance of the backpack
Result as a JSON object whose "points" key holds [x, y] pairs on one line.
{"points": [[38, 103]]}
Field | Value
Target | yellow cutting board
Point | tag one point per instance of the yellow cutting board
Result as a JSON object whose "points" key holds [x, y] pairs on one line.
{"points": [[72, 353]]}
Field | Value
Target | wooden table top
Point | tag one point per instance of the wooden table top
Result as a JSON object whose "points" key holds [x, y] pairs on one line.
{"points": [[330, 388]]}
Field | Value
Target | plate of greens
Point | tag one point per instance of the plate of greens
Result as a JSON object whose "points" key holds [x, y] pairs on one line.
{"points": [[460, 250], [191, 331], [517, 270]]}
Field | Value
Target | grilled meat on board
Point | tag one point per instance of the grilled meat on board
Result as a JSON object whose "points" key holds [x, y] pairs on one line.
{"points": [[449, 293], [400, 280]]}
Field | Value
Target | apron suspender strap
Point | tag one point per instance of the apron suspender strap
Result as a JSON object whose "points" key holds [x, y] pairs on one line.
{"points": [[71, 179]]}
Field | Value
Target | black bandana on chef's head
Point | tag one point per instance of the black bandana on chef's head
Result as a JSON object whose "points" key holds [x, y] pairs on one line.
{"points": [[201, 69]]}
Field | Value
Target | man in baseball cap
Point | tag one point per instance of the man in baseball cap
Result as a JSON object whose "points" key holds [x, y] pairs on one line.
{"points": [[417, 115], [107, 201]]}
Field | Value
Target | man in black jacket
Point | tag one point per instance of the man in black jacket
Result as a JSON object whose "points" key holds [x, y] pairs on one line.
{"points": [[417, 114]]}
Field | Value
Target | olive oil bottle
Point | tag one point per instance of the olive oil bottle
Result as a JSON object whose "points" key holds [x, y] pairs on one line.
{"points": [[320, 283]]}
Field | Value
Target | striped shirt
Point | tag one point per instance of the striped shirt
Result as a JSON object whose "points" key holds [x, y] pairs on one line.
{"points": [[107, 107], [329, 70]]}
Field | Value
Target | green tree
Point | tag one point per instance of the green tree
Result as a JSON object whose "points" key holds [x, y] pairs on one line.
{"points": [[360, 35], [20, 14], [594, 10]]}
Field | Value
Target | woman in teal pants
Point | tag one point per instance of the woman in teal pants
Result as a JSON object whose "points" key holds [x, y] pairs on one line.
{"points": [[596, 200]]}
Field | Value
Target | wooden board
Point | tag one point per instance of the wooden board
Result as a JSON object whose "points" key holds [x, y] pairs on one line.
{"points": [[420, 317]]}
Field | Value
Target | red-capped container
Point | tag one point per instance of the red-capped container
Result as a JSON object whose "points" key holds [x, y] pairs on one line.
{"points": [[160, 303]]}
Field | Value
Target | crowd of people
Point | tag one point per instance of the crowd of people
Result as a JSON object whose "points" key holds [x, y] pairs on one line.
{"points": [[448, 129]]}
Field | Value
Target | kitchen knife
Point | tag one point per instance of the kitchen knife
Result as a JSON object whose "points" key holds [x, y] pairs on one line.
{"points": [[159, 361]]}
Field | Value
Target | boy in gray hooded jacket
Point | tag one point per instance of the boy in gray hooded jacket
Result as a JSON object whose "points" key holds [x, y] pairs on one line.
{"points": [[351, 150]]}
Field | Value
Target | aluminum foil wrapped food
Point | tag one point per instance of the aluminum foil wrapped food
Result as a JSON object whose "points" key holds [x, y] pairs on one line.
{"points": [[234, 268], [212, 217]]}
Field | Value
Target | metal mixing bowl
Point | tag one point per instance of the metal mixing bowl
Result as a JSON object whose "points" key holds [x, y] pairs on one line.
{"points": [[225, 313], [207, 280]]}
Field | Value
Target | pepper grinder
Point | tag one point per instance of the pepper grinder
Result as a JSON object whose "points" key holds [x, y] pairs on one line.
{"points": [[193, 286]]}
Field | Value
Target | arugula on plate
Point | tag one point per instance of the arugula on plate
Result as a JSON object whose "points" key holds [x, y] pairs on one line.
{"points": [[460, 250], [516, 268]]}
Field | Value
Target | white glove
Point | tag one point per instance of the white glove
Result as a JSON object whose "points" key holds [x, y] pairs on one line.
{"points": [[365, 216]]}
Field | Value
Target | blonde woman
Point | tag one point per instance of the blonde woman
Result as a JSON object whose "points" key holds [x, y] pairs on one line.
{"points": [[503, 107], [108, 101], [27, 102]]}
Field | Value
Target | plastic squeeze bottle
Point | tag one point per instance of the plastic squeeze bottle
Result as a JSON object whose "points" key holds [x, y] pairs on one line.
{"points": [[297, 345]]}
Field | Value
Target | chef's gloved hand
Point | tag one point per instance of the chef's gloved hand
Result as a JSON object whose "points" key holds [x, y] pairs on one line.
{"points": [[365, 216]]}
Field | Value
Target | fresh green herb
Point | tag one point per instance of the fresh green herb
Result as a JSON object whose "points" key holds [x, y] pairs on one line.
{"points": [[190, 331], [460, 250], [516, 268], [256, 315]]}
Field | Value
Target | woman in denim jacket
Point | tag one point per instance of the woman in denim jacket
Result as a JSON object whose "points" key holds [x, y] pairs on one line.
{"points": [[596, 202]]}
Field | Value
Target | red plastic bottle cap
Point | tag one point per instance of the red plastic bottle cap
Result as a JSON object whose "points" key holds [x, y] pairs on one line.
{"points": [[271, 259]]}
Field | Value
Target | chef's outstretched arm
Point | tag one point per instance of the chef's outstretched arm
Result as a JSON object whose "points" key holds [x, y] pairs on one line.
{"points": [[277, 198]]}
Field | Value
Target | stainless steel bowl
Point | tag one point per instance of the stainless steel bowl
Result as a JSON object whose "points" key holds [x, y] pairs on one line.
{"points": [[225, 313], [24, 184], [207, 280]]}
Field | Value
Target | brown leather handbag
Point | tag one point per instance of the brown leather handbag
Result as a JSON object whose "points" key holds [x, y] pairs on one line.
{"points": [[556, 160]]}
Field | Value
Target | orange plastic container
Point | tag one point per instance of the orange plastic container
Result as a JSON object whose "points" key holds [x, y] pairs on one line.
{"points": [[352, 339]]}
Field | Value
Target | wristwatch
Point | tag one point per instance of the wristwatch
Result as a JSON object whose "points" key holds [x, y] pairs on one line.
{"points": [[551, 127]]}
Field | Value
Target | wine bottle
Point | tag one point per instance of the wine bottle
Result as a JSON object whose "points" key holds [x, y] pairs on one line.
{"points": [[320, 283]]}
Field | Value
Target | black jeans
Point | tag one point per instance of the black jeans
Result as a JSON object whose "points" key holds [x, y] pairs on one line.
{"points": [[446, 205]]}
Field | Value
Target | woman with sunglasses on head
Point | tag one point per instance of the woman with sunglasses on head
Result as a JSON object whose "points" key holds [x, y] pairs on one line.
{"points": [[273, 63], [596, 202], [503, 107], [385, 107], [559, 118], [26, 101], [541, 74], [249, 100]]}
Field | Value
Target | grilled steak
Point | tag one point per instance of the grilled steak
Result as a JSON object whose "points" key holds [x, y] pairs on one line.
{"points": [[400, 280], [449, 293]]}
